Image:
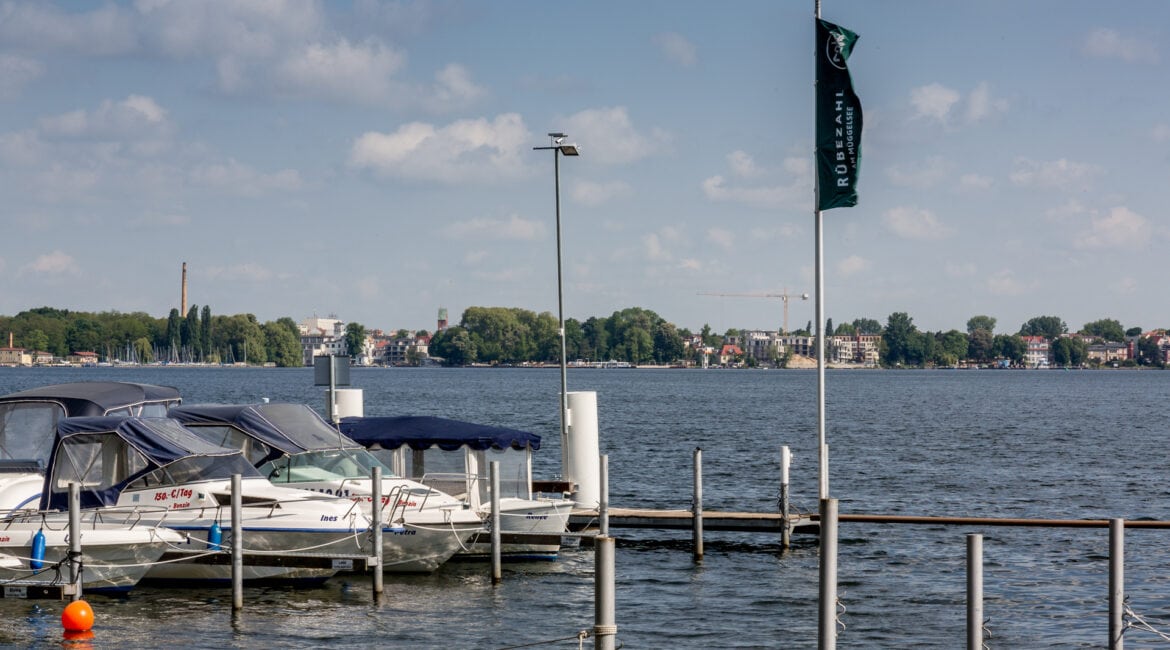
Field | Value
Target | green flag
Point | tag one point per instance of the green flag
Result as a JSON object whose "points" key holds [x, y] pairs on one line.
{"points": [[838, 119]]}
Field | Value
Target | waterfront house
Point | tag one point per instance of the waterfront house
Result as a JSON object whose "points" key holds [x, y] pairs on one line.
{"points": [[11, 356]]}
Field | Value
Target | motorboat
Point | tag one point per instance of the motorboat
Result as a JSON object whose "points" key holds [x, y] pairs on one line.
{"points": [[454, 456], [34, 552], [153, 471], [28, 421], [294, 447]]}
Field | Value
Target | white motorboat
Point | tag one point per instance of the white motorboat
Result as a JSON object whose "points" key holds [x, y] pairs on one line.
{"points": [[114, 557], [28, 424], [294, 447], [154, 471], [454, 456]]}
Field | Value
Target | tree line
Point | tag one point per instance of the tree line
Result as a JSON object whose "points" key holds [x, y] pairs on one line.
{"points": [[508, 335], [194, 337]]}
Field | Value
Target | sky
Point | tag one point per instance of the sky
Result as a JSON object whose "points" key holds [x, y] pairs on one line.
{"points": [[373, 161]]}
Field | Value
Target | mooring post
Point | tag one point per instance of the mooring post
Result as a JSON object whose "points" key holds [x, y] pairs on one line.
{"points": [[497, 570], [785, 524], [1116, 584], [604, 605], [603, 498], [827, 639], [75, 568], [376, 522], [697, 510], [237, 544], [974, 591]]}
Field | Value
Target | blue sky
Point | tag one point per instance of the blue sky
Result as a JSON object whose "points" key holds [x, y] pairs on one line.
{"points": [[373, 160]]}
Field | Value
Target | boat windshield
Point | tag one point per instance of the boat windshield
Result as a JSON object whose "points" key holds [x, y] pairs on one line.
{"points": [[27, 430], [323, 465]]}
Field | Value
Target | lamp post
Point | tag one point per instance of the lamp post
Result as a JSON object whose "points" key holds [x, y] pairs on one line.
{"points": [[560, 148]]}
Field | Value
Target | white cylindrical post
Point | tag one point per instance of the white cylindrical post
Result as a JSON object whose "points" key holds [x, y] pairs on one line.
{"points": [[604, 604], [697, 509], [785, 522], [497, 570], [376, 522], [827, 639], [1116, 584], [237, 544], [974, 591], [603, 503], [349, 403], [75, 568], [583, 450]]}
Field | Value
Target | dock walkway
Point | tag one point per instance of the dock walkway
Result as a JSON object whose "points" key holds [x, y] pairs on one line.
{"points": [[713, 520]]}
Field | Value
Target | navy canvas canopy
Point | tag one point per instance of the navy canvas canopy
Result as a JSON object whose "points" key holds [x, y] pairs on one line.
{"points": [[423, 432], [95, 397], [141, 445], [289, 428]]}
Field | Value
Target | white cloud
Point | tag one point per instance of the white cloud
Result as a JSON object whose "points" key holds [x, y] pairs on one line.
{"points": [[915, 223], [1065, 212], [1110, 44], [1127, 285], [135, 118], [975, 182], [653, 249], [464, 151], [1060, 174], [742, 164], [759, 188], [955, 269], [1161, 132], [1121, 229], [608, 136], [474, 258], [676, 48], [15, 72], [1004, 283], [982, 105], [242, 180], [722, 237], [107, 30], [454, 88], [590, 193], [853, 265], [513, 228], [56, 263], [363, 72], [933, 101], [927, 174]]}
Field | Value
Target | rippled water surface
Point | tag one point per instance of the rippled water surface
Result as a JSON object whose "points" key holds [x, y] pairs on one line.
{"points": [[1042, 444]]}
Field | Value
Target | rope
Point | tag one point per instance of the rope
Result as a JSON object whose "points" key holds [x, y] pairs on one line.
{"points": [[578, 637], [1141, 624]]}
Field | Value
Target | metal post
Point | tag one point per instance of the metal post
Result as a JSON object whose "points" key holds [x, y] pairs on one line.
{"points": [[75, 568], [786, 523], [604, 607], [376, 497], [237, 544], [697, 510], [974, 591], [332, 390], [827, 639], [1116, 584], [561, 309], [603, 498], [497, 571]]}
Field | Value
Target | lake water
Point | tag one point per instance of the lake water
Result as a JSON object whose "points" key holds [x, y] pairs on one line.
{"points": [[1043, 444]]}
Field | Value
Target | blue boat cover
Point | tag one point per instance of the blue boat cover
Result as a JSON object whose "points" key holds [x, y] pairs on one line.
{"points": [[286, 428], [95, 397], [140, 446], [423, 432]]}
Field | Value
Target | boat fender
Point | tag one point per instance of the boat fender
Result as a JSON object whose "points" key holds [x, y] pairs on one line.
{"points": [[215, 537], [38, 551]]}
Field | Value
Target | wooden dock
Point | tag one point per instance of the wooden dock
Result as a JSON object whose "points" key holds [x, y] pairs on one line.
{"points": [[713, 520]]}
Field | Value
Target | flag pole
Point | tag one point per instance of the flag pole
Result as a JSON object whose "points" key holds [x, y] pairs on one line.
{"points": [[827, 571]]}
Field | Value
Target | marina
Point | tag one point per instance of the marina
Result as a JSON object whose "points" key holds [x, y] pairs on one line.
{"points": [[901, 584]]}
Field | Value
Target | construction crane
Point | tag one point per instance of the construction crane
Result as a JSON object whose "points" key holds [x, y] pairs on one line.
{"points": [[785, 296]]}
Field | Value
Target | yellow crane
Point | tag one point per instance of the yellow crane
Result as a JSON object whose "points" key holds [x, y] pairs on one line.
{"points": [[784, 295]]}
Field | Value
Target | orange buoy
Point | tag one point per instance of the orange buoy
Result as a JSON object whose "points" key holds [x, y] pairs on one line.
{"points": [[77, 617]]}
